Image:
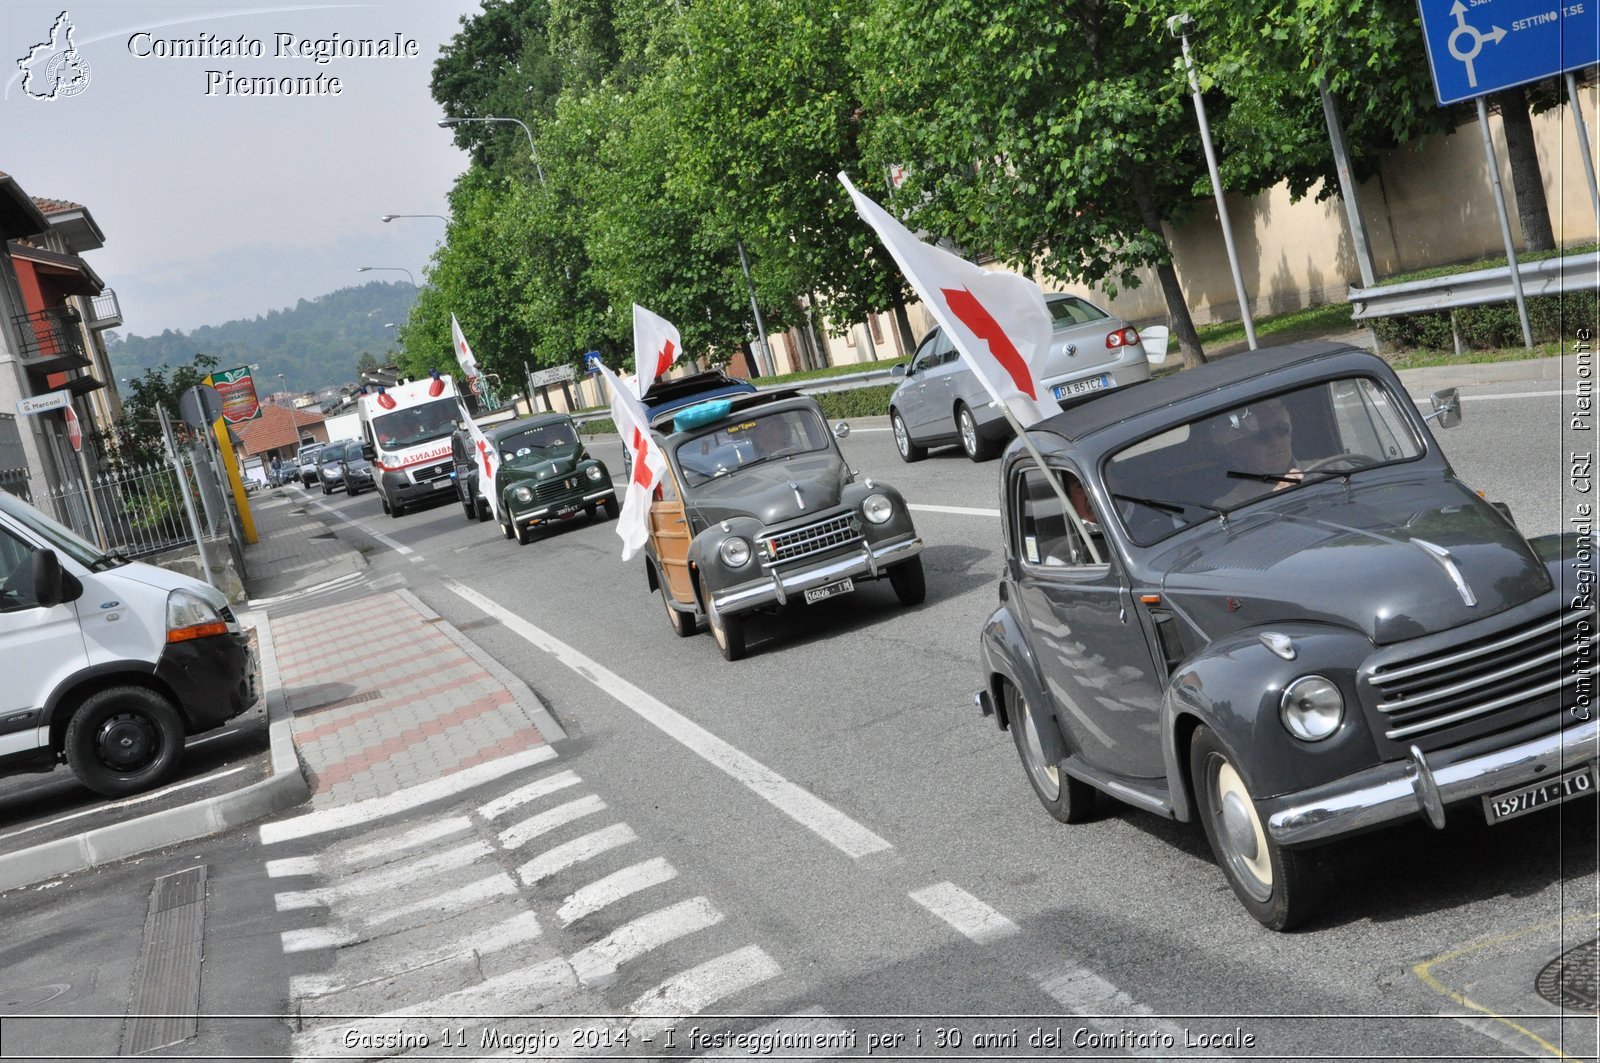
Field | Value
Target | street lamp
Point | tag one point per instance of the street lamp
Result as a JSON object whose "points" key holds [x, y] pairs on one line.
{"points": [[392, 217], [294, 420], [445, 123], [396, 269]]}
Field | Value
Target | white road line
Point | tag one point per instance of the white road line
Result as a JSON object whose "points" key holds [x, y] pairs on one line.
{"points": [[576, 851], [451, 901], [294, 865], [397, 547], [339, 817], [625, 883], [819, 1034], [382, 879], [1080, 991], [519, 834], [317, 937], [520, 992], [691, 992], [969, 916], [411, 839], [531, 792], [964, 511], [517, 930], [805, 808], [317, 588], [598, 963], [102, 809]]}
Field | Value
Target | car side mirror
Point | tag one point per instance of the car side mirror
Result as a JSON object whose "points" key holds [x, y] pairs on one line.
{"points": [[1446, 407], [369, 452], [899, 370], [841, 430], [49, 588], [1155, 343]]}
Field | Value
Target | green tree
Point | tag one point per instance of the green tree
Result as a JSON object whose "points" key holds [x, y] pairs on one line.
{"points": [[138, 432]]}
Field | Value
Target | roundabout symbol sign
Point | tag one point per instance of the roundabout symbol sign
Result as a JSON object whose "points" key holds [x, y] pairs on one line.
{"points": [[1476, 47]]}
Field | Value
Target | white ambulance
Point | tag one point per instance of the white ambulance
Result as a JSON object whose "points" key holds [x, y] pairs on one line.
{"points": [[407, 431]]}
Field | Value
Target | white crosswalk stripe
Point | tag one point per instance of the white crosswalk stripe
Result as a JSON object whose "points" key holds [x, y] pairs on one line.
{"points": [[607, 891], [576, 851], [529, 793], [385, 879], [519, 834], [691, 992], [598, 963]]}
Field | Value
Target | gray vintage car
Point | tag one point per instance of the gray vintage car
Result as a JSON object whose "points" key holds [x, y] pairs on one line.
{"points": [[1261, 599], [761, 509]]}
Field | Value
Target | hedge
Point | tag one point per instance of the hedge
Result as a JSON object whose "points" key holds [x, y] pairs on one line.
{"points": [[1553, 318]]}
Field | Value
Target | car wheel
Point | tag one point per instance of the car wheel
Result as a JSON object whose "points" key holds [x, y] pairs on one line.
{"points": [[123, 740], [613, 510], [396, 510], [908, 581], [524, 534], [1278, 886], [727, 630], [1068, 800], [909, 451], [972, 444], [469, 509], [505, 529], [683, 623], [326, 491]]}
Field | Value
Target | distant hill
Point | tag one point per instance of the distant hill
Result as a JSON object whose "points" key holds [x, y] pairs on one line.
{"points": [[314, 344]]}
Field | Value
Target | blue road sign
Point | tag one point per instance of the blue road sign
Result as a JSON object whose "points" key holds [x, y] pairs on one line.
{"points": [[1481, 46], [591, 362]]}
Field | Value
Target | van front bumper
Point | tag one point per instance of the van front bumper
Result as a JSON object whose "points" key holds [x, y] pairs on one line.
{"points": [[213, 678]]}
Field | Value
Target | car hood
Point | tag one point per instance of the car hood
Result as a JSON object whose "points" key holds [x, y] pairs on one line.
{"points": [[773, 491], [1393, 560], [556, 461]]}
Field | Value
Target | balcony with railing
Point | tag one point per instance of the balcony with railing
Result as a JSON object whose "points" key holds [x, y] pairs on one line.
{"points": [[49, 340], [104, 310]]}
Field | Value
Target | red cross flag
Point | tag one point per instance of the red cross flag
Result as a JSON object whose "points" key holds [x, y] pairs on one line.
{"points": [[998, 321], [656, 346], [649, 464], [469, 364], [487, 461]]}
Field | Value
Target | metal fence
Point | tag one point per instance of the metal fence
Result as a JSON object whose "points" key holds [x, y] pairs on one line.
{"points": [[140, 507]]}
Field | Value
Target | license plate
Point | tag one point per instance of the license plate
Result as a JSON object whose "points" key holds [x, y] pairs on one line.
{"points": [[566, 511], [828, 590], [1083, 387], [1575, 783], [442, 483]]}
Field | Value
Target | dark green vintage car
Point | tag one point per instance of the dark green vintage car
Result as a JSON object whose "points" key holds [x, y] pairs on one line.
{"points": [[546, 475]]}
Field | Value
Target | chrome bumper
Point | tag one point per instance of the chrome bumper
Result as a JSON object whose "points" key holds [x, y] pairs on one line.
{"points": [[864, 560], [1398, 790], [545, 511]]}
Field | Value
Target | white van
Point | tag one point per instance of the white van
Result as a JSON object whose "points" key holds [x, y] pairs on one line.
{"points": [[109, 664]]}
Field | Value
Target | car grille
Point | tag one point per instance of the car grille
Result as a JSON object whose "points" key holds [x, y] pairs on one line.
{"points": [[431, 472], [550, 490], [812, 539], [1429, 692]]}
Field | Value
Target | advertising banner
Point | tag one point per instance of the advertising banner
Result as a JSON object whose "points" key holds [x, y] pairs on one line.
{"points": [[238, 391]]}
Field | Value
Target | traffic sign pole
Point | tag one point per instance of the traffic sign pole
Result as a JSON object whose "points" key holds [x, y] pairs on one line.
{"points": [[1505, 224]]}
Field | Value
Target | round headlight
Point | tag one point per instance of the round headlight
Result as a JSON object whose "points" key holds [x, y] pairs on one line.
{"points": [[1312, 708], [735, 552], [522, 494], [594, 473], [877, 508]]}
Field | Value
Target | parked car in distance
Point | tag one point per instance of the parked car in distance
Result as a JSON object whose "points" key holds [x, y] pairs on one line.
{"points": [[356, 469], [330, 465], [465, 467], [306, 463], [940, 401], [546, 475], [1269, 605], [760, 509]]}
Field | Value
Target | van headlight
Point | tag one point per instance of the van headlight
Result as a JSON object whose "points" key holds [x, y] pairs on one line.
{"points": [[877, 508], [594, 473], [735, 551], [190, 616], [1312, 708], [522, 494]]}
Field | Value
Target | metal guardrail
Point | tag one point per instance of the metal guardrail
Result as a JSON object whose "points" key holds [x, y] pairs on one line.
{"points": [[1551, 276]]}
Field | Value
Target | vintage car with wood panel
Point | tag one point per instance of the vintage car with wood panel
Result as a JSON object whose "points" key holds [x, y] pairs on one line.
{"points": [[546, 475], [1261, 599], [760, 509]]}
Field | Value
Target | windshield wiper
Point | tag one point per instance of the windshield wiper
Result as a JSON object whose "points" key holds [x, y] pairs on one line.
{"points": [[1265, 477], [1169, 505], [111, 559]]}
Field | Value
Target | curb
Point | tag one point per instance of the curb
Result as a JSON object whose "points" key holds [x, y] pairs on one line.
{"points": [[285, 787], [526, 699]]}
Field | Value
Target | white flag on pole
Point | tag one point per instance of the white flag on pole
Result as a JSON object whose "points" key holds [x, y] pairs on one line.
{"points": [[998, 321], [656, 347], [649, 464], [469, 364]]}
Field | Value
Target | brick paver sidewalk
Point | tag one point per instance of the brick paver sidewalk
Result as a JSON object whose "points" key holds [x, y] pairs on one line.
{"points": [[386, 696]]}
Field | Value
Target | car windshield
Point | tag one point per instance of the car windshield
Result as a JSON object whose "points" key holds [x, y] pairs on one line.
{"points": [[1234, 457], [329, 455], [418, 424], [533, 442], [309, 457], [352, 451], [735, 447], [1069, 310]]}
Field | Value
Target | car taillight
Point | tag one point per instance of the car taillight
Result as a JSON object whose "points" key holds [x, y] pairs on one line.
{"points": [[1123, 337]]}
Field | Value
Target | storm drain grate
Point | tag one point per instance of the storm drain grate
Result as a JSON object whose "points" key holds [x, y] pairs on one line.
{"points": [[353, 699], [1569, 982], [164, 1007]]}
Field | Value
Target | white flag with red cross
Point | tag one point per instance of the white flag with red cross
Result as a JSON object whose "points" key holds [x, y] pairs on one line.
{"points": [[469, 364], [656, 347], [649, 464], [487, 461], [998, 321]]}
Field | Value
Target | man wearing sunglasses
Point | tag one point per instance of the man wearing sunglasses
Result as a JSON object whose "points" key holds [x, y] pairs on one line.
{"points": [[1257, 445]]}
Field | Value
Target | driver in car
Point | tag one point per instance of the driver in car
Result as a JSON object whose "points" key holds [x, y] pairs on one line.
{"points": [[1257, 441], [769, 436]]}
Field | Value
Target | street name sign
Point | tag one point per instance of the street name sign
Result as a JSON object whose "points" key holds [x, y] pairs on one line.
{"points": [[55, 400], [545, 377], [1476, 47]]}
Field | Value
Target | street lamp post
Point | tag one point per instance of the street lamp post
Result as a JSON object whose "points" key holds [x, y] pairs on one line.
{"points": [[392, 217], [445, 123], [395, 269], [294, 423]]}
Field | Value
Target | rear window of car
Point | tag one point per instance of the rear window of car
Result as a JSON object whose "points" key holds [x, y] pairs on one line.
{"points": [[1070, 310]]}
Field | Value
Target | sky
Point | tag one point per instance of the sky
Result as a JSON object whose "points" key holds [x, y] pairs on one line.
{"points": [[218, 205]]}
